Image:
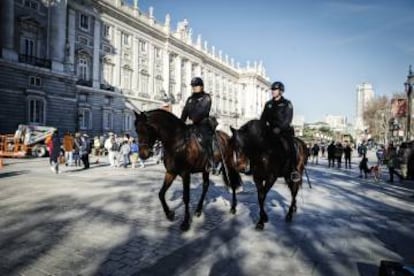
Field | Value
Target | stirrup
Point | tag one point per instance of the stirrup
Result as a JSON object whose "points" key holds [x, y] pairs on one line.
{"points": [[295, 176]]}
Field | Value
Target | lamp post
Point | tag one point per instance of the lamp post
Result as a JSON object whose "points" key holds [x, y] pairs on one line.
{"points": [[409, 89]]}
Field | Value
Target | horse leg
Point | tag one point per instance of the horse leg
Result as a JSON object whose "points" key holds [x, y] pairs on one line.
{"points": [[185, 225], [234, 202], [168, 180], [206, 183], [294, 188], [261, 195]]}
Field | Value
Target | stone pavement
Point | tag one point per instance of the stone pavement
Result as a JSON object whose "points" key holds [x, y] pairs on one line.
{"points": [[107, 221]]}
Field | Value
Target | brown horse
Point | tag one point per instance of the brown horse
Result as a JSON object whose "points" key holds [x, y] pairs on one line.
{"points": [[183, 155], [253, 145]]}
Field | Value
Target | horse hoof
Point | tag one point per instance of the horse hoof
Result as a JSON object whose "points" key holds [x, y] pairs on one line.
{"points": [[197, 213], [288, 218], [171, 216], [233, 211], [260, 226], [185, 226]]}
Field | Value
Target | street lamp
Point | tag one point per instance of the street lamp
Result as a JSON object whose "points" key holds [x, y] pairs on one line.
{"points": [[409, 89]]}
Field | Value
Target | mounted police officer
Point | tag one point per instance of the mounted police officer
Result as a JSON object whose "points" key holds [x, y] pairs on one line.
{"points": [[278, 115], [197, 109]]}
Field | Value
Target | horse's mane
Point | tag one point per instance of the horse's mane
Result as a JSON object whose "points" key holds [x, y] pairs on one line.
{"points": [[165, 120], [256, 132]]}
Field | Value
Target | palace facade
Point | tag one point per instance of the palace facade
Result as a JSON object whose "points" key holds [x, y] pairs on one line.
{"points": [[85, 65]]}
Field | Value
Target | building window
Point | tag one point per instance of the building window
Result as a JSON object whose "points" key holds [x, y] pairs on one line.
{"points": [[28, 47], [83, 69], [157, 52], [107, 120], [35, 81], [142, 46], [126, 78], [126, 39], [107, 31], [107, 49], [128, 122], [85, 119], [107, 73], [31, 4], [144, 83], [36, 110], [84, 22]]}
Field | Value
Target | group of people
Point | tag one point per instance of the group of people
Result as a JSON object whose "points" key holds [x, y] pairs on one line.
{"points": [[336, 151], [122, 151], [72, 150]]}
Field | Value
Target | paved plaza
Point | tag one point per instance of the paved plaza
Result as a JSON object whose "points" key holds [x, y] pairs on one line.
{"points": [[109, 221]]}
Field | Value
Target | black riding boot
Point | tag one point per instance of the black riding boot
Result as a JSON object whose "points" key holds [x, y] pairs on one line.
{"points": [[294, 175]]}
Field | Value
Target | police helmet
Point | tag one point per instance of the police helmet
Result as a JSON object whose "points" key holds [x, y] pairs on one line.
{"points": [[277, 85], [196, 81]]}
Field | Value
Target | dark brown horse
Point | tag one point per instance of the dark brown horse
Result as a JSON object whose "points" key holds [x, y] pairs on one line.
{"points": [[253, 145], [183, 155]]}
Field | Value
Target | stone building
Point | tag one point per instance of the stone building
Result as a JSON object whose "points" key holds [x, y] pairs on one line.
{"points": [[82, 65]]}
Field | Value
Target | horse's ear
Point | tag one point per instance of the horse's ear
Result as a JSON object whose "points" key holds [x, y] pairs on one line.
{"points": [[232, 129], [140, 115]]}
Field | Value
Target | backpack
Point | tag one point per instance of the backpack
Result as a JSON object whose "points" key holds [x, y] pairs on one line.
{"points": [[115, 147]]}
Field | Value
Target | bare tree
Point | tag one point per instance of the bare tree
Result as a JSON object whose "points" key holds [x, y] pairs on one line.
{"points": [[376, 116]]}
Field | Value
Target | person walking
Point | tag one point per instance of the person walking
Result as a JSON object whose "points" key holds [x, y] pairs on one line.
{"points": [[125, 151], [315, 153], [347, 152], [331, 154], [393, 163], [55, 152], [84, 150], [68, 147]]}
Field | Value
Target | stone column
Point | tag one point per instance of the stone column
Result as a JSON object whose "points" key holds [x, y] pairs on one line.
{"points": [[187, 93], [70, 47], [7, 30], [135, 72], [151, 62], [178, 87], [57, 34], [96, 49], [117, 59], [166, 71]]}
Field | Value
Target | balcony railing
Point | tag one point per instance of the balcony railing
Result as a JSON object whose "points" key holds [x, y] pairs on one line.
{"points": [[84, 83], [35, 61]]}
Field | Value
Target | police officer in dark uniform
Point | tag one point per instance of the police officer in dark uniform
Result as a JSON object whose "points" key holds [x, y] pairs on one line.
{"points": [[278, 115], [197, 109]]}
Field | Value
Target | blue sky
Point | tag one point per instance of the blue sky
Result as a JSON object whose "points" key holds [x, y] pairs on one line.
{"points": [[320, 49]]}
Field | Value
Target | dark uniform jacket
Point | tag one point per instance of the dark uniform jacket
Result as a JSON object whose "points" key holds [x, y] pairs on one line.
{"points": [[278, 114], [197, 107]]}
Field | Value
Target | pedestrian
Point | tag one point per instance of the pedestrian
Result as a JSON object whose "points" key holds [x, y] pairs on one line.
{"points": [[76, 154], [55, 152], [363, 167], [339, 151], [110, 146], [315, 153], [331, 154], [84, 150], [97, 148], [323, 148], [134, 153], [393, 163], [68, 147], [347, 152], [125, 151]]}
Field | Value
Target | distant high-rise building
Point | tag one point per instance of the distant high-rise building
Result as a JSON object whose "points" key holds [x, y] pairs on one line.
{"points": [[365, 93], [336, 122]]}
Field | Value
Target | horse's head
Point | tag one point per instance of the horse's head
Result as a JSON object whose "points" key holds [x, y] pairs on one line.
{"points": [[237, 143], [146, 135]]}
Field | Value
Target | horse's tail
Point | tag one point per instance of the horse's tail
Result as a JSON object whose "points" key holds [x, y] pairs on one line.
{"points": [[231, 176]]}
